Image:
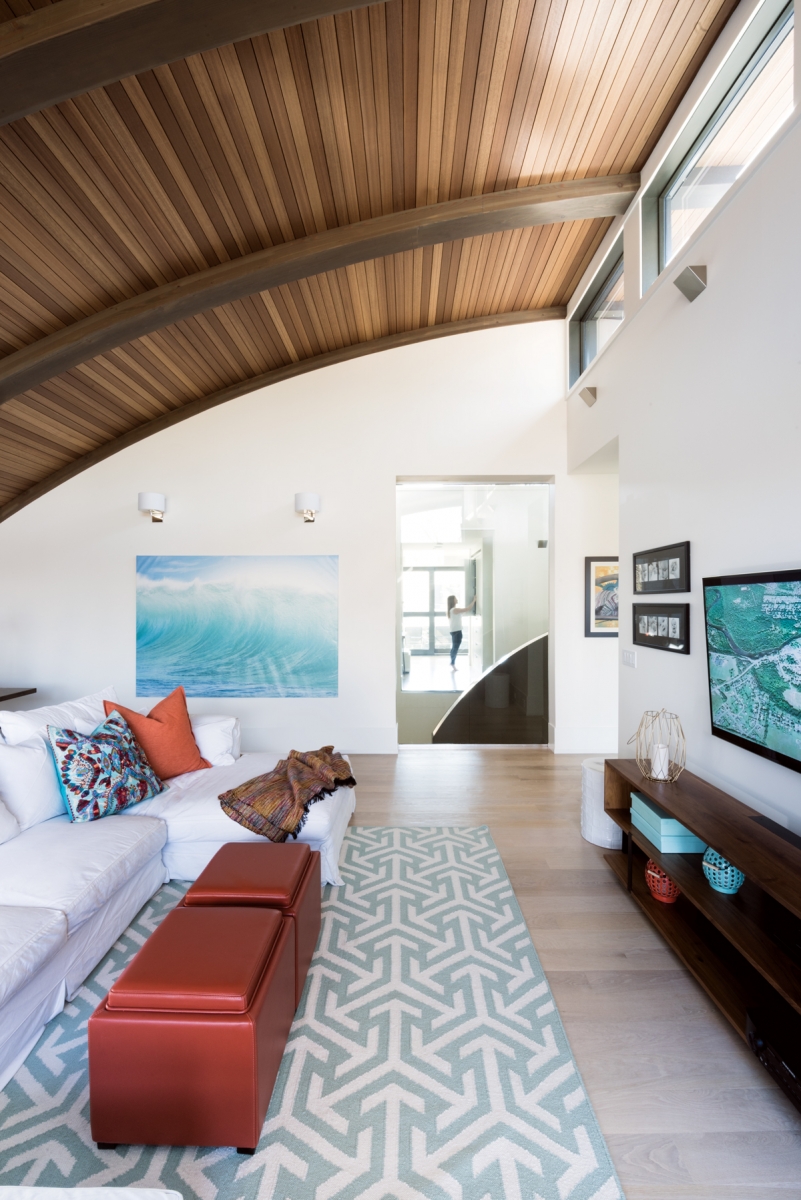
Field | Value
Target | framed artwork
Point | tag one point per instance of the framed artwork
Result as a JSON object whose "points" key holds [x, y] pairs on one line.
{"points": [[601, 596], [664, 626], [237, 625], [665, 569]]}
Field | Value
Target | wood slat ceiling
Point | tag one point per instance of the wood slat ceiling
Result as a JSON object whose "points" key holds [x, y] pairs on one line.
{"points": [[310, 128]]}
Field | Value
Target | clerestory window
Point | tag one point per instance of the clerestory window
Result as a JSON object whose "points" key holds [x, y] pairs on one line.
{"points": [[756, 104], [603, 315]]}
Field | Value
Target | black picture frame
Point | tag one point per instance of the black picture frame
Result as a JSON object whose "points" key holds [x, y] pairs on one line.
{"points": [[667, 567], [676, 640], [593, 627]]}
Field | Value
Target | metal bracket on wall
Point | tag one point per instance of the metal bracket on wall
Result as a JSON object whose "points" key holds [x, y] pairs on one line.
{"points": [[691, 282]]}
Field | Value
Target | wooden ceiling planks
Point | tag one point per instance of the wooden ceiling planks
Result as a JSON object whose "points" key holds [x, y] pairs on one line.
{"points": [[194, 164], [299, 321], [398, 105]]}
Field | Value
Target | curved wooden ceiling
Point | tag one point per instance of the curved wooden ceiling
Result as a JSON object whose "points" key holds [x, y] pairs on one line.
{"points": [[197, 229]]}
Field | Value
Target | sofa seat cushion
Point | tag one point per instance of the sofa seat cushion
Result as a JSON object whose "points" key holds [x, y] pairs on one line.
{"points": [[77, 867], [29, 937]]}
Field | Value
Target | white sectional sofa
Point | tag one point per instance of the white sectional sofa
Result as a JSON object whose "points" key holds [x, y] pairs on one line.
{"points": [[66, 894], [68, 890]]}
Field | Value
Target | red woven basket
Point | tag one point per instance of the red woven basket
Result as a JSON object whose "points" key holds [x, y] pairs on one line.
{"points": [[660, 884]]}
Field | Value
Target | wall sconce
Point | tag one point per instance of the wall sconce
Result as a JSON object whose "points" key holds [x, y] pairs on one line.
{"points": [[154, 503], [308, 503], [589, 395], [691, 282]]}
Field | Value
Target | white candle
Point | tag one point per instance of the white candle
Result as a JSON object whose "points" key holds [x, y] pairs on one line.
{"points": [[660, 761]]}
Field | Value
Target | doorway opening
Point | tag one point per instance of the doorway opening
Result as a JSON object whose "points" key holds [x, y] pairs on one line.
{"points": [[486, 546]]}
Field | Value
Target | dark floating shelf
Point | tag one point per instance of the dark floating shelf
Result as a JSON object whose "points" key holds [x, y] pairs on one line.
{"points": [[15, 693]]}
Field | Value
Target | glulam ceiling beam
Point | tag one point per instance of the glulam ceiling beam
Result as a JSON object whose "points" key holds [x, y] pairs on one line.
{"points": [[472, 216], [194, 407], [73, 46]]}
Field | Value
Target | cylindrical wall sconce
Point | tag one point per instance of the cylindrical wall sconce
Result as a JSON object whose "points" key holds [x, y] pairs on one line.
{"points": [[154, 503], [308, 503]]}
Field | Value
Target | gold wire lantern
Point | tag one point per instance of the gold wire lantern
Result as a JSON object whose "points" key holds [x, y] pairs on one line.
{"points": [[660, 748]]}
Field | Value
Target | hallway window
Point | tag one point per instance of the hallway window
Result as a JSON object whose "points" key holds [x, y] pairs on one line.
{"points": [[425, 615], [758, 102]]}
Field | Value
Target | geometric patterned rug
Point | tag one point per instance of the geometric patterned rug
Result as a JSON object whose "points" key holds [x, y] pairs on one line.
{"points": [[427, 1060]]}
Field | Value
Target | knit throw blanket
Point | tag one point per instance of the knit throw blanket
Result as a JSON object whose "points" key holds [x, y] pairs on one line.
{"points": [[276, 805]]}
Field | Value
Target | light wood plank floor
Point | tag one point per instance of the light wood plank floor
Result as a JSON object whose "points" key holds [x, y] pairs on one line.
{"points": [[687, 1111]]}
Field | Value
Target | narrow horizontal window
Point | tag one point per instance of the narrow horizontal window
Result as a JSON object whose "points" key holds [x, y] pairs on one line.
{"points": [[603, 315], [759, 101]]}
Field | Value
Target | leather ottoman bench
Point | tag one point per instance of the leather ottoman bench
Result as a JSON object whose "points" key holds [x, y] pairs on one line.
{"points": [[284, 877], [185, 1048]]}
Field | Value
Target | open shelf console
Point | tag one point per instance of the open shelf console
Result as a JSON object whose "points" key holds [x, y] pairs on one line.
{"points": [[744, 950]]}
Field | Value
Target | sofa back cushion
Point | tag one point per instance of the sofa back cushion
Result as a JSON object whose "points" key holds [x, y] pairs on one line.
{"points": [[29, 785], [103, 772], [217, 738], [165, 735], [81, 715], [9, 825]]}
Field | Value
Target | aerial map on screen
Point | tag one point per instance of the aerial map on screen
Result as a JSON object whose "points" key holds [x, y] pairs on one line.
{"points": [[754, 640]]}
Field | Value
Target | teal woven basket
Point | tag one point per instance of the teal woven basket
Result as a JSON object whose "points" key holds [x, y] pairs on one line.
{"points": [[720, 873]]}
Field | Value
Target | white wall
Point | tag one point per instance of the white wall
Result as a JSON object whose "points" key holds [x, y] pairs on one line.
{"points": [[706, 400], [584, 687], [477, 404], [520, 570]]}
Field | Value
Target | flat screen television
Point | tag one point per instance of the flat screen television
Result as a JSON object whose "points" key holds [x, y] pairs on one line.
{"points": [[753, 637]]}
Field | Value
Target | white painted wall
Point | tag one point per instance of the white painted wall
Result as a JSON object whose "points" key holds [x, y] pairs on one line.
{"points": [[584, 686], [706, 401], [520, 570], [477, 404]]}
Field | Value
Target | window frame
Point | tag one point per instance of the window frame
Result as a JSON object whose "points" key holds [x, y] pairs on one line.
{"points": [[611, 262], [431, 612], [593, 305], [759, 59]]}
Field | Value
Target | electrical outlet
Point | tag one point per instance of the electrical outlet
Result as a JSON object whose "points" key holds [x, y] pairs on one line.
{"points": [[629, 658]]}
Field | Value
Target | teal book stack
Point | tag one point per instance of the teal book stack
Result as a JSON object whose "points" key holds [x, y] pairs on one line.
{"points": [[667, 834]]}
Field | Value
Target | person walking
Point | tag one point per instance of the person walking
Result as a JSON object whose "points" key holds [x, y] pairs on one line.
{"points": [[455, 622]]}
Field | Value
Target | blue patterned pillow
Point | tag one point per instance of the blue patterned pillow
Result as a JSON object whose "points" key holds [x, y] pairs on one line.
{"points": [[103, 772]]}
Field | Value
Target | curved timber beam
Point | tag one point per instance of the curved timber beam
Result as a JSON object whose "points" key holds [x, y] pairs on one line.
{"points": [[381, 236], [194, 407], [72, 46]]}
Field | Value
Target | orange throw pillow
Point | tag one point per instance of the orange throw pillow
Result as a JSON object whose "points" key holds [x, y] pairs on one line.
{"points": [[165, 735]]}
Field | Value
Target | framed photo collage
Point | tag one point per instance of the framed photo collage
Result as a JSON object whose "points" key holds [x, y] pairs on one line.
{"points": [[666, 624]]}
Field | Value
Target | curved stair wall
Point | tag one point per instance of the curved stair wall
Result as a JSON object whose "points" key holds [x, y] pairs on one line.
{"points": [[476, 717]]}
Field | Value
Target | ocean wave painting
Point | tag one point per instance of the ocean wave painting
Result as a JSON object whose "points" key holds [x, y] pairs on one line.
{"points": [[237, 625]]}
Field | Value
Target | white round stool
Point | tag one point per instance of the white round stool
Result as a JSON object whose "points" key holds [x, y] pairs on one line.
{"points": [[596, 826]]}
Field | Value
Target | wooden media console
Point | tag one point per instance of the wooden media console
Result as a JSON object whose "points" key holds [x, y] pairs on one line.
{"points": [[744, 950]]}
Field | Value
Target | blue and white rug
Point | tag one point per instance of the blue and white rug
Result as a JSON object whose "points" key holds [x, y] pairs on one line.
{"points": [[427, 1060]]}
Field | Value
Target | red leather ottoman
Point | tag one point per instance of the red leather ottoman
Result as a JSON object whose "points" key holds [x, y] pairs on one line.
{"points": [[185, 1048], [286, 877]]}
